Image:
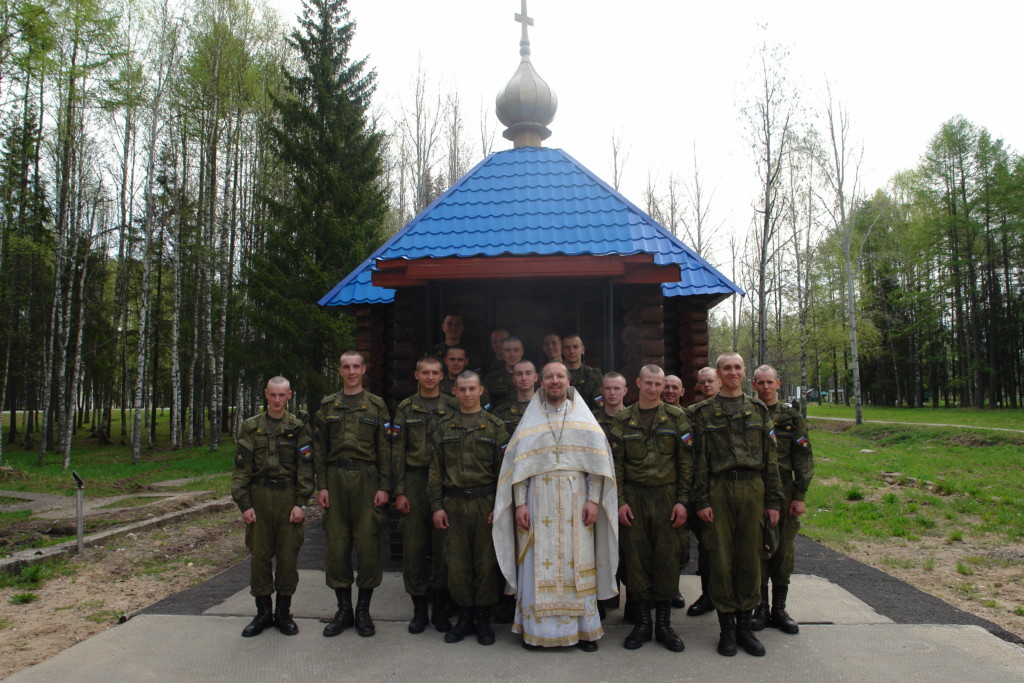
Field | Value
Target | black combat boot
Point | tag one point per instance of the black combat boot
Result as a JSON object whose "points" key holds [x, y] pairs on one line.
{"points": [[364, 624], [760, 618], [343, 618], [264, 617], [484, 634], [420, 619], [643, 631], [727, 636], [504, 611], [678, 602], [745, 638], [629, 609], [663, 632], [439, 615], [779, 617], [701, 605], [463, 627], [283, 616]]}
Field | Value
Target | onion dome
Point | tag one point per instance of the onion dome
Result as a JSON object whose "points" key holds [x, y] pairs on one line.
{"points": [[527, 104]]}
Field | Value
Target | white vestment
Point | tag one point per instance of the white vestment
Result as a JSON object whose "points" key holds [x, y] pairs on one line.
{"points": [[559, 568]]}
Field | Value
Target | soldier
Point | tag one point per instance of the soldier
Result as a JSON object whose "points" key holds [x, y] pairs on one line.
{"points": [[654, 471], [708, 385], [496, 361], [673, 392], [423, 567], [524, 377], [456, 361], [613, 391], [353, 473], [796, 469], [499, 382], [452, 328], [552, 348], [271, 483], [736, 483], [464, 466], [585, 379]]}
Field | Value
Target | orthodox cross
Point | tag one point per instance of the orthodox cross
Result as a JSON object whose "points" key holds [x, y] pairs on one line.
{"points": [[525, 20]]}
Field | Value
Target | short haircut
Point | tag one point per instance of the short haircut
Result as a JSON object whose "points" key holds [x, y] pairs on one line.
{"points": [[675, 377], [525, 362], [652, 369], [707, 369], [613, 375], [428, 359], [278, 380], [456, 347], [767, 368], [467, 374], [512, 340], [729, 354], [352, 353], [572, 335]]}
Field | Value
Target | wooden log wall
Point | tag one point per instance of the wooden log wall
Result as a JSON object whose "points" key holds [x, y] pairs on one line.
{"points": [[642, 334], [691, 325]]}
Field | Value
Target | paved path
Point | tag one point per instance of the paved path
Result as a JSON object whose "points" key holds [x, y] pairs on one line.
{"points": [[857, 624], [916, 424]]}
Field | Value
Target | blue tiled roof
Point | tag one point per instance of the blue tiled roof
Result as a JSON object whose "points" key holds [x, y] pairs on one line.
{"points": [[532, 201]]}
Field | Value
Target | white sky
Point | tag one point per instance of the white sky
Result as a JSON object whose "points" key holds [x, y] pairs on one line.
{"points": [[671, 74]]}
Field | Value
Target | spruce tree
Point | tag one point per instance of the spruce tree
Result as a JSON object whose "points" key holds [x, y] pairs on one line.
{"points": [[329, 215]]}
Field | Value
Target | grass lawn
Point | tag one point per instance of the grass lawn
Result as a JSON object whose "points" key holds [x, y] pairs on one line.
{"points": [[1004, 418], [915, 482], [107, 469]]}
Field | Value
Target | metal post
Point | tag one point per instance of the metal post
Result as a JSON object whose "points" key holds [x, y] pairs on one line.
{"points": [[79, 512]]}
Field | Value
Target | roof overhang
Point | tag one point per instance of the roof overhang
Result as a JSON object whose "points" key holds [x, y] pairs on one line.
{"points": [[630, 269]]}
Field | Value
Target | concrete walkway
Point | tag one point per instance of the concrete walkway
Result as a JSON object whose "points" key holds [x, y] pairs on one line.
{"points": [[857, 624]]}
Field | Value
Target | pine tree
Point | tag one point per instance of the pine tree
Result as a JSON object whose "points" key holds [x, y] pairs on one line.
{"points": [[331, 213]]}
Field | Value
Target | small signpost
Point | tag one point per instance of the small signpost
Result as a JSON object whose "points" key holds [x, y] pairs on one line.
{"points": [[79, 512]]}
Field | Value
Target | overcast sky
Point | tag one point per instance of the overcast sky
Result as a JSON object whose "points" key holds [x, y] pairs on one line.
{"points": [[671, 75]]}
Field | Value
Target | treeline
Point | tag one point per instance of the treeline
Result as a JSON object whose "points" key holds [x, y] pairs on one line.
{"points": [[179, 183], [928, 269]]}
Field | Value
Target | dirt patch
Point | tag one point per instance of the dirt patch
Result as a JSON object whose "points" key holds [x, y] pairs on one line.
{"points": [[836, 426], [983, 576], [34, 532], [114, 581]]}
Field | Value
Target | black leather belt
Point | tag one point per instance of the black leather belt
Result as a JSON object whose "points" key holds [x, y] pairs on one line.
{"points": [[739, 475], [470, 494], [648, 486], [274, 483], [350, 464]]}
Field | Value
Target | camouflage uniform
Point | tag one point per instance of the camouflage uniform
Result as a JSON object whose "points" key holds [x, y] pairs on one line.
{"points": [[510, 414], [500, 387], [587, 381], [464, 468], [413, 430], [273, 473], [796, 469], [352, 457], [605, 420], [654, 471], [737, 475]]}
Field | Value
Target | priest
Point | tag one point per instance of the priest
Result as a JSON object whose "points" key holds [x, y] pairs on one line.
{"points": [[556, 518]]}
